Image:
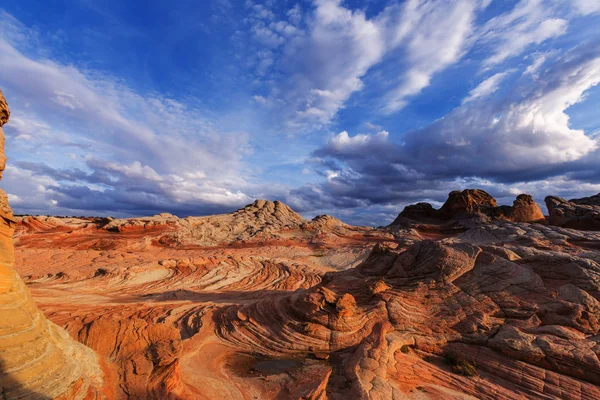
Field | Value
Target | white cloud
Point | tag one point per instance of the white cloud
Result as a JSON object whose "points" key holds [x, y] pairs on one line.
{"points": [[295, 14], [134, 170], [342, 143], [524, 134], [515, 134], [433, 36], [486, 87], [338, 49], [260, 99], [328, 59], [138, 139], [538, 60], [509, 34], [586, 7]]}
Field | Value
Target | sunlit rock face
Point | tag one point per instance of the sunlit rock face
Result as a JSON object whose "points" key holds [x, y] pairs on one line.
{"points": [[260, 303], [471, 204], [525, 209], [38, 359]]}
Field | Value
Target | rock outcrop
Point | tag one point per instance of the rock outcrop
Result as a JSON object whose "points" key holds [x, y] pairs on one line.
{"points": [[223, 306], [423, 212], [441, 314], [38, 359], [588, 201], [471, 204], [467, 203], [262, 222], [581, 214], [525, 209]]}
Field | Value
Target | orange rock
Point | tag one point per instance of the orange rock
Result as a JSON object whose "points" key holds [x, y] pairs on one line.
{"points": [[525, 209]]}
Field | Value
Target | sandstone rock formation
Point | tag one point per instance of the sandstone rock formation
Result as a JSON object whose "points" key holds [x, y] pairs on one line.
{"points": [[525, 209], [577, 214], [468, 202], [144, 288], [471, 204], [220, 307], [447, 318], [38, 359]]}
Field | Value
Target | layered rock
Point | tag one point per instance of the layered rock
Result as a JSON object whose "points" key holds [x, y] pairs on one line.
{"points": [[38, 360], [260, 222], [440, 314], [581, 214], [497, 309]]}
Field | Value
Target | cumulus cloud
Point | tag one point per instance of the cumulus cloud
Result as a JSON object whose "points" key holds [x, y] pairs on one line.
{"points": [[343, 144], [329, 60], [329, 57], [526, 130], [497, 144], [129, 148], [86, 140]]}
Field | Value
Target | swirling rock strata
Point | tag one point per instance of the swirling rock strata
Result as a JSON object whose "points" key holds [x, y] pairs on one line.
{"points": [[524, 317]]}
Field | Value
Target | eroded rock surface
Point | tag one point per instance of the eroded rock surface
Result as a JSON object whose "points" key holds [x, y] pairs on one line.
{"points": [[471, 206], [525, 209], [142, 290], [221, 307], [577, 214]]}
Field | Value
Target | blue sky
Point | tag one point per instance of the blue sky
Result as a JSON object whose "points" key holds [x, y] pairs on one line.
{"points": [[352, 108]]}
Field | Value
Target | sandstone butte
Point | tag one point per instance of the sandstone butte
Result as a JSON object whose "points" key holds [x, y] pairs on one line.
{"points": [[473, 300]]}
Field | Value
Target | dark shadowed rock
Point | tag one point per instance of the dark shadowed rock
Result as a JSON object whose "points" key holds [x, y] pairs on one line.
{"points": [[578, 214], [416, 212], [588, 201]]}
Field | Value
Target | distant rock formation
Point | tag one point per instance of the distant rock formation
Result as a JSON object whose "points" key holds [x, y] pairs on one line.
{"points": [[588, 201], [525, 209], [468, 202], [472, 203], [261, 221], [583, 214], [38, 359]]}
